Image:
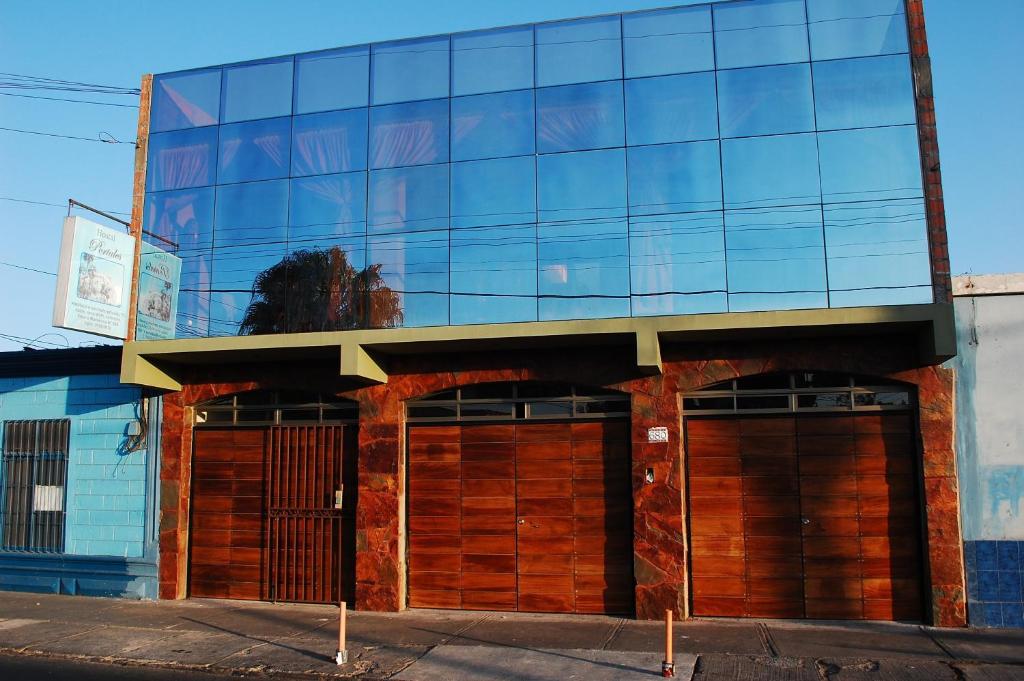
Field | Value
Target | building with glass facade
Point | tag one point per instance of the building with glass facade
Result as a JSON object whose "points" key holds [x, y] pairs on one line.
{"points": [[556, 284]]}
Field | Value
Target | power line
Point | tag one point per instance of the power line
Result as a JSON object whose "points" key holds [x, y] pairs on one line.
{"points": [[21, 81], [55, 205], [27, 269], [29, 341], [66, 99], [112, 140]]}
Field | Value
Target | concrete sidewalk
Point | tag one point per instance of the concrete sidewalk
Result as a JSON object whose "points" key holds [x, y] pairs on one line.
{"points": [[242, 637]]}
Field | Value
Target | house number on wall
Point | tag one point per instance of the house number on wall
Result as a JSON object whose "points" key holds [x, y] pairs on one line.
{"points": [[657, 434]]}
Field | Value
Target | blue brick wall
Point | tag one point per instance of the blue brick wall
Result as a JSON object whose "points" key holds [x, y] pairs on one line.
{"points": [[995, 583], [106, 487]]}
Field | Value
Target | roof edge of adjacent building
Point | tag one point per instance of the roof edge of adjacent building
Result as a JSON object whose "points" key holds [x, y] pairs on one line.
{"points": [[969, 285], [100, 359]]}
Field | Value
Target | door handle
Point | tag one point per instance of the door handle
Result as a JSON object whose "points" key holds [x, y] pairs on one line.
{"points": [[805, 521], [521, 521]]}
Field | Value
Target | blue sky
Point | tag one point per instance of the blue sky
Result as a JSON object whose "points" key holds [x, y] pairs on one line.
{"points": [[976, 58]]}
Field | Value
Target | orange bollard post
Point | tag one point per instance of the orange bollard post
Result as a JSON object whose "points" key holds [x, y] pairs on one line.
{"points": [[668, 666], [342, 655]]}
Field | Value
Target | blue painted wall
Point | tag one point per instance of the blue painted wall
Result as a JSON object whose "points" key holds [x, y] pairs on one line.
{"points": [[110, 546], [990, 454]]}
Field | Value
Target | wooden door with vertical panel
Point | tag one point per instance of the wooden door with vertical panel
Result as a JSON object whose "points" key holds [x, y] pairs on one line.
{"points": [[535, 517], [227, 524], [804, 516]]}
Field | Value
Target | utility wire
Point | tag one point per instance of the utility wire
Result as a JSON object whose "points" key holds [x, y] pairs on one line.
{"points": [[56, 205], [27, 269], [112, 140], [20, 81], [66, 99]]}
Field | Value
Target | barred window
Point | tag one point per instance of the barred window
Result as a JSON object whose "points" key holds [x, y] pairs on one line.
{"points": [[34, 475]]}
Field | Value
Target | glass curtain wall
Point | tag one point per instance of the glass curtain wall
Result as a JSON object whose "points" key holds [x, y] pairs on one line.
{"points": [[734, 156]]}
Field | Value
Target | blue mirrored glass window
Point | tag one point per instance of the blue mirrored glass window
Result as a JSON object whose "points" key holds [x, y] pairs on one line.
{"points": [[776, 259], [332, 142], [840, 28], [414, 267], [499, 191], [577, 117], [327, 206], [236, 270], [674, 178], [409, 134], [408, 70], [551, 171], [193, 319], [409, 199], [257, 150], [878, 253], [489, 126], [259, 90], [677, 264], [335, 79], [252, 212], [768, 100], [186, 100], [770, 171], [871, 92], [181, 159], [877, 163], [760, 32], [494, 274], [492, 61], [583, 240], [671, 109], [579, 51], [584, 269], [668, 41], [582, 185], [183, 220]]}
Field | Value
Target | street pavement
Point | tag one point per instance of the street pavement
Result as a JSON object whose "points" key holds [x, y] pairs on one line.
{"points": [[206, 639]]}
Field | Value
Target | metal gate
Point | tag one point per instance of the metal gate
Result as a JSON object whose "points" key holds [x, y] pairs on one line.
{"points": [[305, 514]]}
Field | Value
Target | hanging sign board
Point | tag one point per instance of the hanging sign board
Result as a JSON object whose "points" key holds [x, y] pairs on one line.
{"points": [[94, 279], [159, 281]]}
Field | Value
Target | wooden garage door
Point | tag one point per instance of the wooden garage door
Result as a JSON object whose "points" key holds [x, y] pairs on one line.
{"points": [[804, 516], [264, 523], [534, 517]]}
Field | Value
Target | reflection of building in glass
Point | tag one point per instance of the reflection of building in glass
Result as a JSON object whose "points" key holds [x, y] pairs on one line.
{"points": [[486, 272]]}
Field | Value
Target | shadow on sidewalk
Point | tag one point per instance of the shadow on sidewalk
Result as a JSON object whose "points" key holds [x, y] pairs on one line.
{"points": [[264, 640]]}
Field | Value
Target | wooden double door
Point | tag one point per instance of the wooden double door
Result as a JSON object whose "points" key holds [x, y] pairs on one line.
{"points": [[533, 517], [805, 516], [264, 521]]}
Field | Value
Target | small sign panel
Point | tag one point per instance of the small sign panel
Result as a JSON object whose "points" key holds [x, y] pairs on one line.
{"points": [[94, 279], [48, 498], [657, 434], [159, 281]]}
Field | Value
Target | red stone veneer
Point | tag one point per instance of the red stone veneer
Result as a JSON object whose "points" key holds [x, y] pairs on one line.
{"points": [[929, 140], [659, 508]]}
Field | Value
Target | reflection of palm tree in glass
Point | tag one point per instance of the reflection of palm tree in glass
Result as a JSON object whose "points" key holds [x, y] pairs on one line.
{"points": [[315, 290]]}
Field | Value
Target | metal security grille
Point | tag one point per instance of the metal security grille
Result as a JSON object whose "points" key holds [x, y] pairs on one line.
{"points": [[305, 524], [35, 464]]}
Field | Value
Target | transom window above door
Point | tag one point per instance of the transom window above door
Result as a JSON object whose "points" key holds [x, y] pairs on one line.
{"points": [[804, 391], [518, 402], [275, 407]]}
